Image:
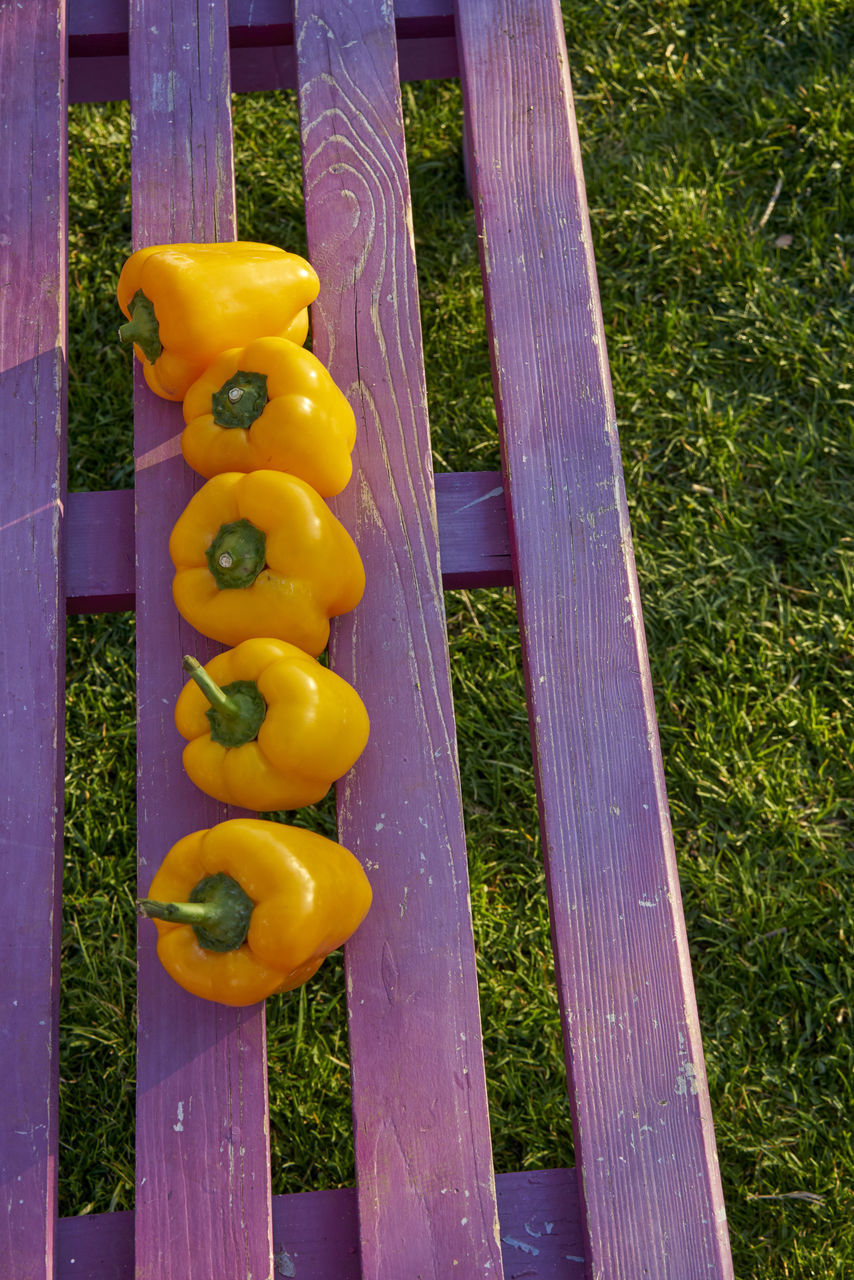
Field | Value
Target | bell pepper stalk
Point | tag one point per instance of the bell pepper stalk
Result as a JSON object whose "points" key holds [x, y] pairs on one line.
{"points": [[249, 908], [267, 726], [186, 303], [260, 554], [270, 405]]}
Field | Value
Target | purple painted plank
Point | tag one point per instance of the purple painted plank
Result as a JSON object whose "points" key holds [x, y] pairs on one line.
{"points": [[89, 20], [541, 1231], [100, 566], [316, 1234], [644, 1136], [96, 1246], [428, 58], [474, 545], [273, 66], [104, 77], [261, 39], [423, 1155], [32, 664], [203, 1179], [420, 58], [99, 541]]}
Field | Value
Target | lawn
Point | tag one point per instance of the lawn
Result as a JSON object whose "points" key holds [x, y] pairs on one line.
{"points": [[719, 150]]}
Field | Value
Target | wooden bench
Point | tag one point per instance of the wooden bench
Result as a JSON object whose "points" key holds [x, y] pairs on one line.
{"points": [[645, 1199]]}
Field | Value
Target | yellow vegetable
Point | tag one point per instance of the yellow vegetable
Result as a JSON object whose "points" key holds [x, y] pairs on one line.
{"points": [[249, 908], [271, 404], [268, 727], [261, 554], [186, 303]]}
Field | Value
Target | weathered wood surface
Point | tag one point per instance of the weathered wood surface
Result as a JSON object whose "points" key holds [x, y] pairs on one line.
{"points": [[316, 1234], [261, 39], [203, 1175], [99, 541], [644, 1145], [424, 1172], [100, 22], [649, 1189], [32, 655]]}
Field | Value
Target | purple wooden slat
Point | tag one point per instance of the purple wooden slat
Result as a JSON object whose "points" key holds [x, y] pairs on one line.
{"points": [[541, 1232], [105, 78], [96, 1246], [262, 53], [644, 1136], [100, 567], [271, 67], [428, 58], [423, 1158], [92, 19], [203, 1180], [99, 541], [420, 58], [32, 674], [316, 1234], [473, 540]]}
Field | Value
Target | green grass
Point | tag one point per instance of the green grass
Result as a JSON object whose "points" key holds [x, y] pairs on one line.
{"points": [[718, 151]]}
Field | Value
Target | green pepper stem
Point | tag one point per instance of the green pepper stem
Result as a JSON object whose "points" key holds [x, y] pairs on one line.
{"points": [[240, 400], [177, 912], [236, 555], [236, 712], [216, 696], [143, 327], [218, 911]]}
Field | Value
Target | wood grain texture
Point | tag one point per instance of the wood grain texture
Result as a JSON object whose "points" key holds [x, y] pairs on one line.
{"points": [[644, 1139], [316, 1234], [32, 656], [423, 1160], [203, 1178]]}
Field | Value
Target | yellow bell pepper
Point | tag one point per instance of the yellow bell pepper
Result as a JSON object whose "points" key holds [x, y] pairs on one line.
{"points": [[271, 404], [267, 726], [186, 303], [249, 908], [261, 554]]}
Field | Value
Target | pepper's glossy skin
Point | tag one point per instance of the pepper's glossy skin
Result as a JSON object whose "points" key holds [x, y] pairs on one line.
{"points": [[310, 896], [306, 427], [313, 570], [208, 298], [314, 729]]}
